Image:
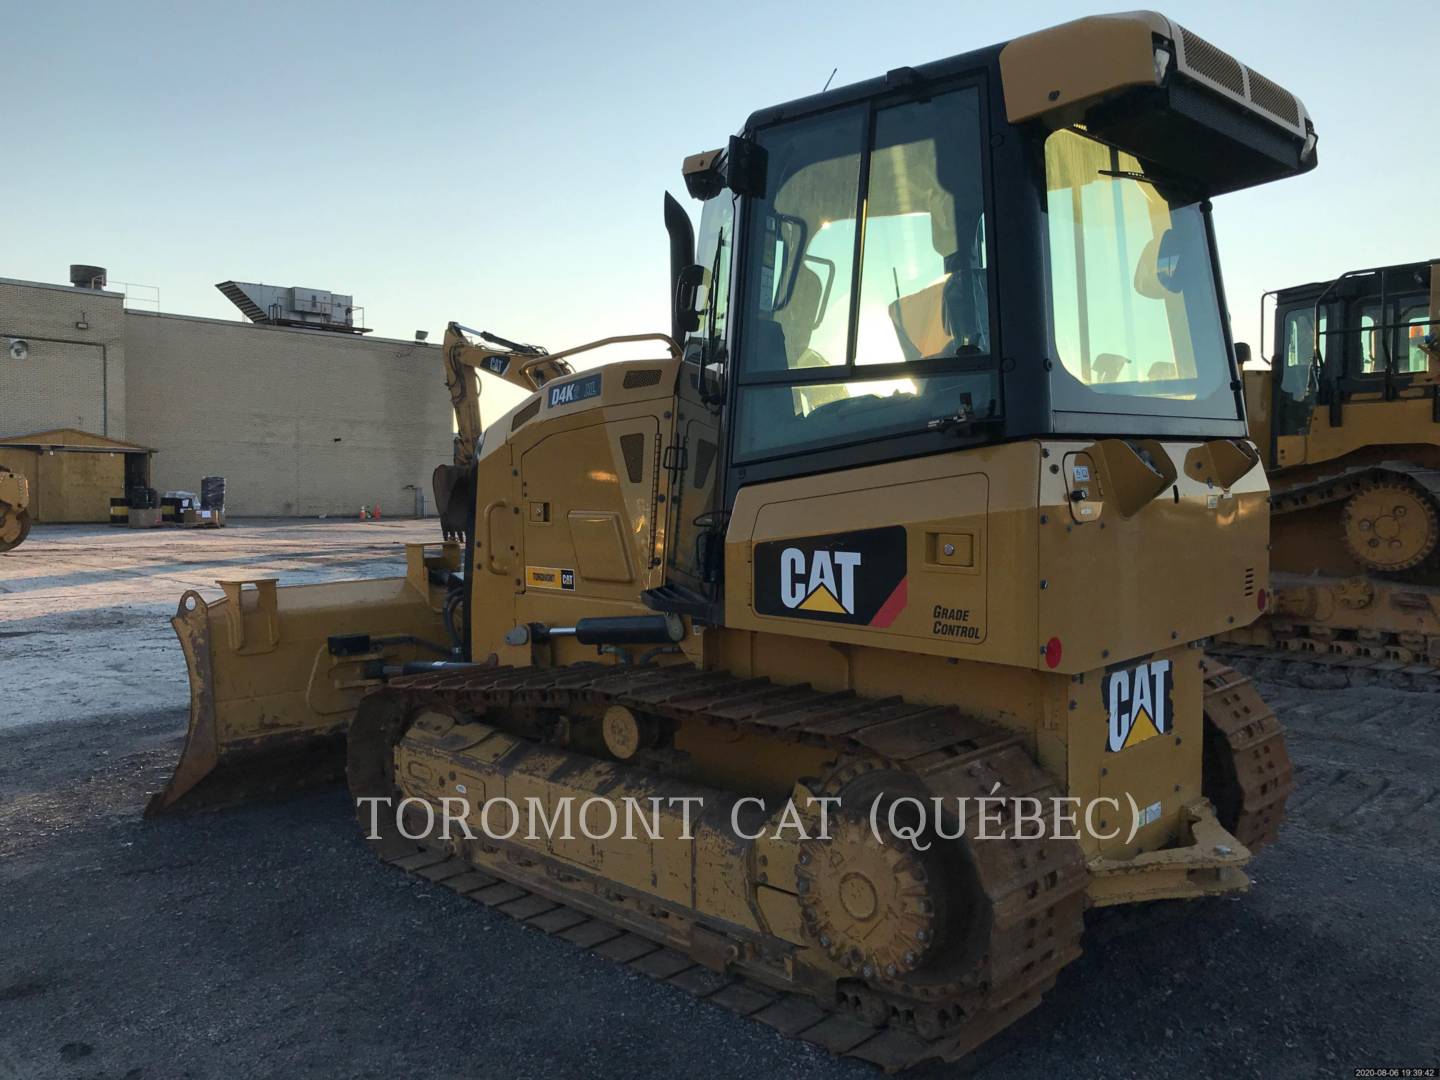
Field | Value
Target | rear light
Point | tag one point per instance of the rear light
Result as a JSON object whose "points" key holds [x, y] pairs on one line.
{"points": [[1052, 652]]}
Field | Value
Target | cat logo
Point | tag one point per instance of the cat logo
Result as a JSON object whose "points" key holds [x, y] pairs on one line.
{"points": [[856, 577], [1139, 703], [550, 577], [829, 586]]}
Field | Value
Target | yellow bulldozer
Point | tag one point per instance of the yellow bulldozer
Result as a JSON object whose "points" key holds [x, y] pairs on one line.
{"points": [[14, 509], [925, 505], [1347, 415]]}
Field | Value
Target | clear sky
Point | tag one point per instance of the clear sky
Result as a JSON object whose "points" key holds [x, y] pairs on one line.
{"points": [[502, 164]]}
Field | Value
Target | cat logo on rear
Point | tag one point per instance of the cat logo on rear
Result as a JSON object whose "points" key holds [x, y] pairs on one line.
{"points": [[1139, 703]]}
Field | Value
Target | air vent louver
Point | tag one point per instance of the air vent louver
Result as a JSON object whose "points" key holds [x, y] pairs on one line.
{"points": [[635, 380], [525, 415]]}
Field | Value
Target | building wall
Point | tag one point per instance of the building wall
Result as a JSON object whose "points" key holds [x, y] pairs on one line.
{"points": [[300, 422], [73, 377]]}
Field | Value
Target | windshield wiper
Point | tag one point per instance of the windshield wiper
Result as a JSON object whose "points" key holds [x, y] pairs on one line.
{"points": [[1126, 174], [1167, 186]]}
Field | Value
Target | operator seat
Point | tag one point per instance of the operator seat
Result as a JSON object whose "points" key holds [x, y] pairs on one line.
{"points": [[1107, 366], [797, 321], [784, 338]]}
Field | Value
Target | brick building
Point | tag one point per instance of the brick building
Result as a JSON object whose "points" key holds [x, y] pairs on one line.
{"points": [[72, 374], [300, 421]]}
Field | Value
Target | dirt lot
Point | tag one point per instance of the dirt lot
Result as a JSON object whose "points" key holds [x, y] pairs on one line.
{"points": [[267, 941]]}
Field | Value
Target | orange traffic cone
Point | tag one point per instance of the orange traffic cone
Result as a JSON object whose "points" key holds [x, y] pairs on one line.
{"points": [[375, 513]]}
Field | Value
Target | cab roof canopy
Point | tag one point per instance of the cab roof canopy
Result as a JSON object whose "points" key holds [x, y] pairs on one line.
{"points": [[1137, 80]]}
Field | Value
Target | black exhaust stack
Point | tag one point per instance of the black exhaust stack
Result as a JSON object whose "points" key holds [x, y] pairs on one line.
{"points": [[682, 254]]}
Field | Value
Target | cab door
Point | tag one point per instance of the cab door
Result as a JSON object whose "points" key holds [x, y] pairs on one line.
{"points": [[694, 552], [1296, 380]]}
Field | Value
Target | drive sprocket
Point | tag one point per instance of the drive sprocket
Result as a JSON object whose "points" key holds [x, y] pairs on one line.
{"points": [[1390, 527]]}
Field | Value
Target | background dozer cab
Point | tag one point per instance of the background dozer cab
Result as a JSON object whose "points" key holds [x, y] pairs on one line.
{"points": [[938, 484], [14, 509], [1348, 418]]}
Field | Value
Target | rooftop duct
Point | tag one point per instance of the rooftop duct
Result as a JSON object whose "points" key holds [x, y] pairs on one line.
{"points": [[276, 305]]}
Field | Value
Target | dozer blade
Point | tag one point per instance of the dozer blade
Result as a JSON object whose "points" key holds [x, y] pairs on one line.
{"points": [[270, 699]]}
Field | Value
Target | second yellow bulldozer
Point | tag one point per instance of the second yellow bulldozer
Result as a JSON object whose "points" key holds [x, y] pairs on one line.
{"points": [[14, 509], [927, 502], [1347, 416]]}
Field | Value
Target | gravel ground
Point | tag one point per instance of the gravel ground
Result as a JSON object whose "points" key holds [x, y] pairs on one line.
{"points": [[267, 941]]}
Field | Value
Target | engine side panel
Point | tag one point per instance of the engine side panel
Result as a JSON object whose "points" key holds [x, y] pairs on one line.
{"points": [[570, 519]]}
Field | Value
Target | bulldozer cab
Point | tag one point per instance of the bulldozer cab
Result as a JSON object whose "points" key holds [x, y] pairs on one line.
{"points": [[1344, 349], [880, 283]]}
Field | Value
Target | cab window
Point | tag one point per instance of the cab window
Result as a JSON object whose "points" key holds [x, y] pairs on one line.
{"points": [[1416, 337], [713, 251], [1297, 380], [1404, 338], [1133, 304], [867, 282], [1372, 356]]}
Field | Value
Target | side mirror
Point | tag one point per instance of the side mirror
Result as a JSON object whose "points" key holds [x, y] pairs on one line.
{"points": [[745, 167], [688, 284], [1242, 354]]}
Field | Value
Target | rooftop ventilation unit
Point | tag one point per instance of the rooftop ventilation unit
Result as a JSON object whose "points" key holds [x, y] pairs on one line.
{"points": [[275, 305], [84, 276]]}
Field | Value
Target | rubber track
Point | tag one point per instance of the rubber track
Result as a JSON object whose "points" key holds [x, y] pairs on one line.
{"points": [[1257, 745], [1036, 888]]}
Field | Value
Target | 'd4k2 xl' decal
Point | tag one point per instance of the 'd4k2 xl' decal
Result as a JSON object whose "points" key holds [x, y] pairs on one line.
{"points": [[854, 577], [576, 390]]}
